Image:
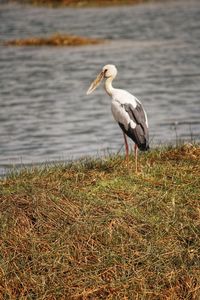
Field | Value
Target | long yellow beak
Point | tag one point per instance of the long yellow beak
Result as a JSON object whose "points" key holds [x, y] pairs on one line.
{"points": [[95, 83]]}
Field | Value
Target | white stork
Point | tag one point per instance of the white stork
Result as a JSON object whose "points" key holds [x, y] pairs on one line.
{"points": [[127, 110]]}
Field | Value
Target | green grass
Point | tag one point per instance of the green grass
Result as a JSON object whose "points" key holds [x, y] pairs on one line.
{"points": [[94, 229]]}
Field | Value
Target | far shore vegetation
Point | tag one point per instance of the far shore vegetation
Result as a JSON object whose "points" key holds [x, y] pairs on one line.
{"points": [[54, 40], [94, 229], [82, 3]]}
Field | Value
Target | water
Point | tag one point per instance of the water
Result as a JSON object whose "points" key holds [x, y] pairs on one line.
{"points": [[45, 114]]}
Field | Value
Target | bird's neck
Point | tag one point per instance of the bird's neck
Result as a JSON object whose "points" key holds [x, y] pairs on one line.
{"points": [[108, 86]]}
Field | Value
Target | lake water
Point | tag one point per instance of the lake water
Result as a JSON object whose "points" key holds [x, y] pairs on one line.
{"points": [[45, 114]]}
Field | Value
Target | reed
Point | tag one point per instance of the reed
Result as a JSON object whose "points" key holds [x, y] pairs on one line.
{"points": [[93, 229]]}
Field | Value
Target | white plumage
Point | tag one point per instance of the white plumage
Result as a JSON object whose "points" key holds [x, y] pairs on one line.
{"points": [[127, 111], [119, 113]]}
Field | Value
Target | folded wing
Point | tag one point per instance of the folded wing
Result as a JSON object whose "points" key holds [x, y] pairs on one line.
{"points": [[137, 128]]}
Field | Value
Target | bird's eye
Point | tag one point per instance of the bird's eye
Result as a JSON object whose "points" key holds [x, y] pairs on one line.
{"points": [[105, 70]]}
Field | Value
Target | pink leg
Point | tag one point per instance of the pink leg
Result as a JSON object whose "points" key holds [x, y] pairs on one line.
{"points": [[136, 157], [126, 146]]}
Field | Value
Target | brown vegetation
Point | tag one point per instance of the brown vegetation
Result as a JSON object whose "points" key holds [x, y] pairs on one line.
{"points": [[81, 3], [94, 229], [54, 40]]}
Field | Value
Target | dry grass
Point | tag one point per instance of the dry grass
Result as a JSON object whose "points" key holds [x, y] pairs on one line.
{"points": [[95, 230], [54, 40], [81, 3]]}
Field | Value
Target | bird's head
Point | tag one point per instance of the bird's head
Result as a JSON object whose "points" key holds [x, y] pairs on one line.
{"points": [[108, 71]]}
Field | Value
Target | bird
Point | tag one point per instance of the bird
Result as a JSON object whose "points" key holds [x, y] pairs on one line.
{"points": [[127, 111]]}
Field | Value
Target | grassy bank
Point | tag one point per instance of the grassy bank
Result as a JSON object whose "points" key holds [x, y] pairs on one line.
{"points": [[96, 230]]}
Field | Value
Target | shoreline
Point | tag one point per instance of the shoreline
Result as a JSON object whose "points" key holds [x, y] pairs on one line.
{"points": [[10, 168]]}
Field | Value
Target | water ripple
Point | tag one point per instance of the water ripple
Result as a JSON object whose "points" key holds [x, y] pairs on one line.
{"points": [[44, 112]]}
